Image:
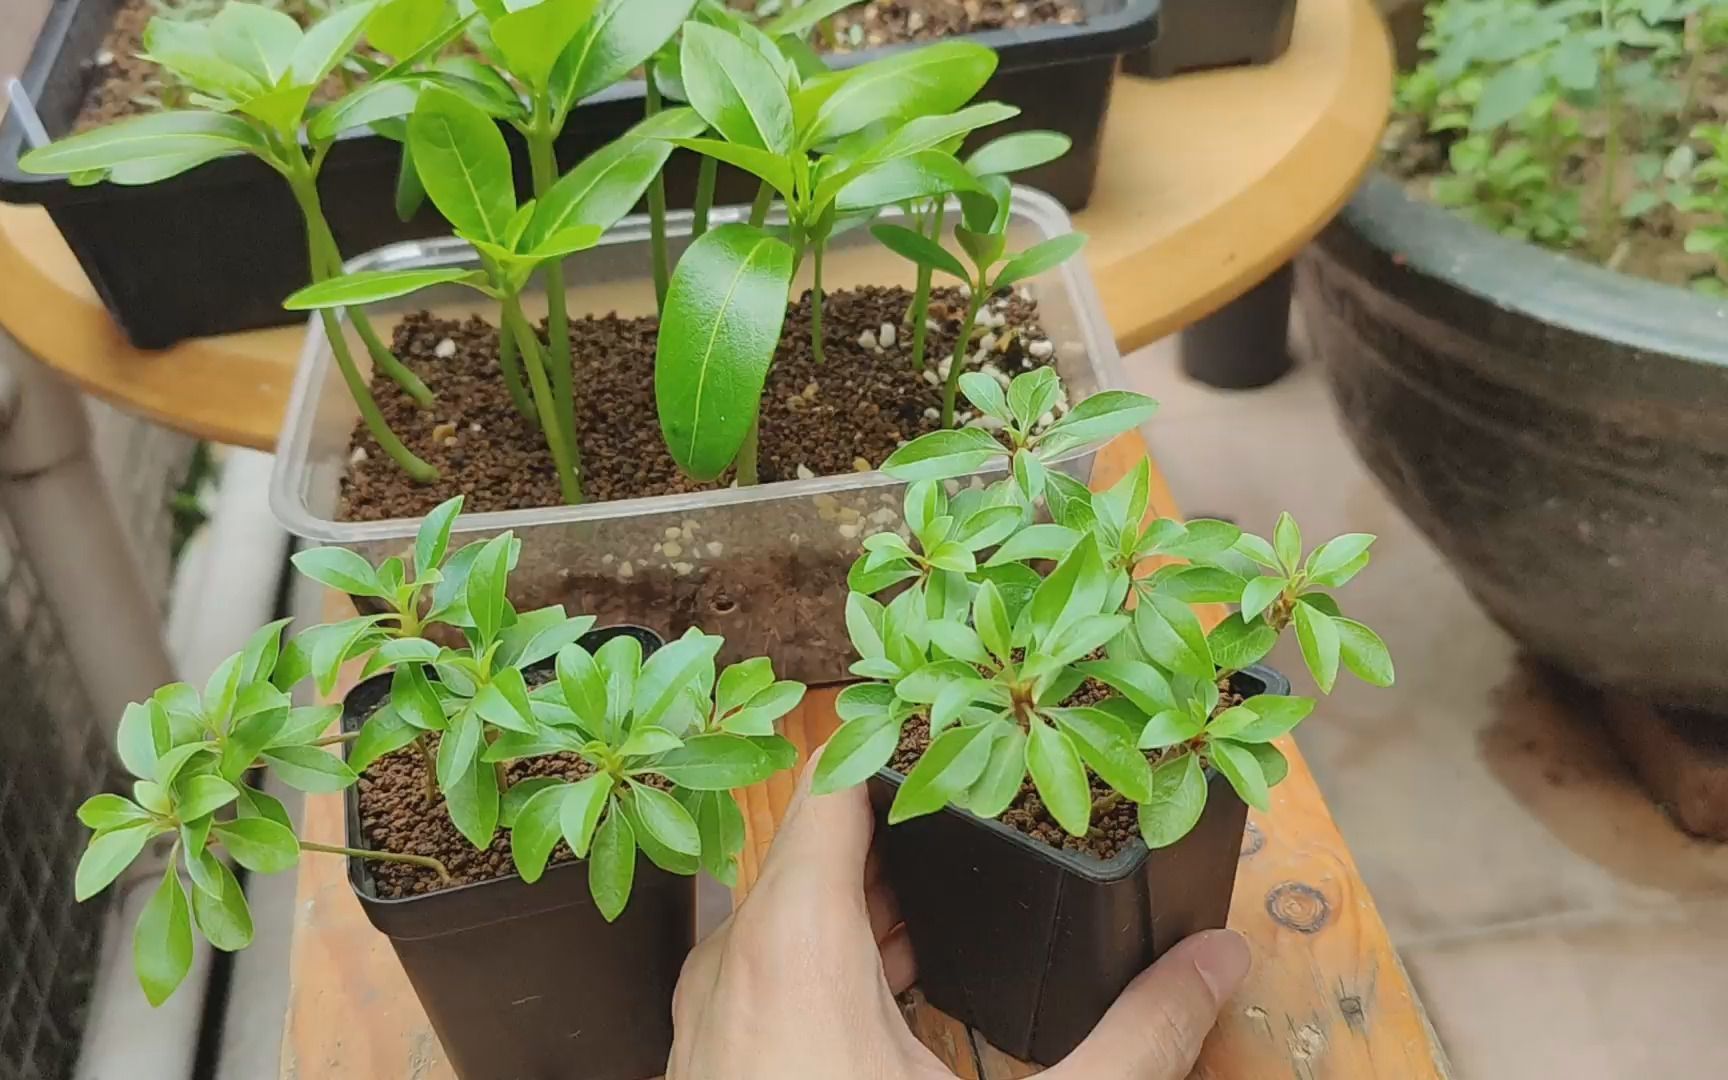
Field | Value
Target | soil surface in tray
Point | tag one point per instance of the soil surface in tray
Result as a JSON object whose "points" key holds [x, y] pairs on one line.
{"points": [[123, 85], [845, 414], [1111, 831]]}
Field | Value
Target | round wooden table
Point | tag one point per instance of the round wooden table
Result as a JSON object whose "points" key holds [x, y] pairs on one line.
{"points": [[1208, 184]]}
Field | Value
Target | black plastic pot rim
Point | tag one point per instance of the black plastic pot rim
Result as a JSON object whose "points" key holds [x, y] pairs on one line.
{"points": [[1099, 36], [1546, 286], [1125, 862]]}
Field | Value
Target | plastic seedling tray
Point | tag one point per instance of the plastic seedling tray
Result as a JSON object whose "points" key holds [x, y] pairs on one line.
{"points": [[600, 558], [215, 250]]}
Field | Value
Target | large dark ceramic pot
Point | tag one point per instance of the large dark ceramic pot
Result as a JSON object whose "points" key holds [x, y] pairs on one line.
{"points": [[1559, 431]]}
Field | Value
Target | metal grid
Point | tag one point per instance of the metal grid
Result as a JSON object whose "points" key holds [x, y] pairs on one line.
{"points": [[54, 752]]}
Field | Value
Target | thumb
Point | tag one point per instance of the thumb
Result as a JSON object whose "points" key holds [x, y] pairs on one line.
{"points": [[1156, 1028]]}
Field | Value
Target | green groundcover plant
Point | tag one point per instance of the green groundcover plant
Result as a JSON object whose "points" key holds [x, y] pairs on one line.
{"points": [[1011, 597], [664, 739]]}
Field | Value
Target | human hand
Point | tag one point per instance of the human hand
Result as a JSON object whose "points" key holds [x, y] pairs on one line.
{"points": [[799, 982]]}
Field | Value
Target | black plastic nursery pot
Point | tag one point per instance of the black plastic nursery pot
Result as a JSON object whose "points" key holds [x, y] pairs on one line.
{"points": [[1559, 431], [530, 982], [1198, 35], [216, 250], [1030, 944]]}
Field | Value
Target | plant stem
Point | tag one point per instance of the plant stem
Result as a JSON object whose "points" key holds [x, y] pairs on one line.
{"points": [[656, 199], [529, 346], [816, 300], [512, 372], [543, 164], [745, 462], [957, 362], [417, 470], [707, 174], [921, 298], [334, 740], [1609, 223], [382, 856], [428, 768], [759, 209], [1106, 803]]}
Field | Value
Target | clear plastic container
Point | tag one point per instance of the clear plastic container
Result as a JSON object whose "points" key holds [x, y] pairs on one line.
{"points": [[765, 566]]}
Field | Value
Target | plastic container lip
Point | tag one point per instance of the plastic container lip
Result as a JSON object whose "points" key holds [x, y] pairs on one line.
{"points": [[293, 447]]}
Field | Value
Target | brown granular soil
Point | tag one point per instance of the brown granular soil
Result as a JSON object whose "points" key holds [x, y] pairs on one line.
{"points": [[1112, 830], [842, 415]]}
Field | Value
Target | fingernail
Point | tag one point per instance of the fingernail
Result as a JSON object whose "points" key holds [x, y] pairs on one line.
{"points": [[1222, 958]]}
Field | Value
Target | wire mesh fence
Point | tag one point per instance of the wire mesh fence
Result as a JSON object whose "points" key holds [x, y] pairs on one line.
{"points": [[54, 752]]}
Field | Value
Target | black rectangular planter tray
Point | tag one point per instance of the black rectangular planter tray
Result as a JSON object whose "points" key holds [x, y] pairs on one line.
{"points": [[215, 250], [1030, 944], [1198, 35], [524, 981]]}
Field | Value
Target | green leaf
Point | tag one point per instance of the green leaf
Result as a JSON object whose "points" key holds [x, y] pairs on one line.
{"points": [[168, 766], [927, 81], [1059, 777], [665, 819], [1273, 764], [188, 49], [357, 289], [432, 539], [859, 747], [1107, 744], [1033, 394], [620, 664], [939, 131], [532, 38], [613, 43], [1069, 500], [535, 829], [260, 844], [505, 705], [109, 811], [1017, 152], [799, 18], [309, 769], [472, 800], [1082, 637], [1170, 633], [959, 641], [1142, 684], [1044, 541], [539, 635], [759, 716], [941, 455], [736, 89], [203, 794], [258, 658], [280, 109], [924, 251], [1102, 416], [484, 589], [400, 27], [339, 568], [223, 915], [718, 333], [953, 760], [1236, 644], [1037, 259], [1169, 727], [327, 41], [1261, 718], [1203, 585], [1505, 95], [990, 616], [1239, 766], [742, 681], [110, 851], [146, 149], [162, 940], [258, 40], [463, 164], [982, 390], [924, 175], [670, 673], [1317, 634], [1287, 543], [1074, 590], [864, 625], [414, 700], [580, 812], [612, 865], [716, 762], [583, 685], [1260, 594], [1363, 652], [721, 825], [1335, 555], [256, 804], [646, 740], [998, 785], [1178, 799], [608, 183], [384, 732]]}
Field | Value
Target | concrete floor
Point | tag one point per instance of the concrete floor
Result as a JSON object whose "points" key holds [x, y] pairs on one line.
{"points": [[1554, 920]]}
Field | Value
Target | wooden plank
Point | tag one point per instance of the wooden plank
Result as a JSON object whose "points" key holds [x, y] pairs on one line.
{"points": [[1206, 184]]}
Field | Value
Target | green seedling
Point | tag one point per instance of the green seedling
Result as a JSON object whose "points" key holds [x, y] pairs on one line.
{"points": [[464, 165], [253, 71], [983, 236]]}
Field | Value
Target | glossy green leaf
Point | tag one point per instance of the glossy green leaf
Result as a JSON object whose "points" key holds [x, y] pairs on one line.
{"points": [[953, 760], [1363, 652], [1239, 766], [1104, 415], [1142, 684], [1074, 590], [716, 762], [1019, 151], [736, 89], [1261, 718], [146, 149], [432, 539], [162, 940], [472, 800], [608, 183], [1336, 554], [795, 19], [665, 819], [998, 785], [924, 175], [256, 804], [535, 829], [721, 825], [1039, 258], [671, 673], [539, 635], [260, 41], [1107, 744], [1236, 644], [1287, 543], [1317, 634], [1260, 594], [309, 769], [531, 38], [1274, 766], [260, 844], [742, 681], [384, 732], [463, 164], [201, 795], [923, 251], [940, 455], [583, 685], [110, 851], [718, 333], [340, 569], [927, 81], [362, 287], [1178, 798], [612, 864], [110, 811], [759, 716], [939, 131], [857, 749], [580, 812], [222, 914], [1059, 777], [188, 49], [484, 589], [613, 43], [327, 41], [1171, 635], [1203, 585], [620, 664], [400, 27]]}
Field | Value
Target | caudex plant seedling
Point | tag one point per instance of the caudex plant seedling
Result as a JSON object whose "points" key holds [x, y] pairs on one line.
{"points": [[989, 649], [253, 71], [464, 166], [663, 740]]}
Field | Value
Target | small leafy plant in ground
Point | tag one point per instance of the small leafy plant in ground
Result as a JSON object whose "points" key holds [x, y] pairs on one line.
{"points": [[1582, 125], [664, 737], [1014, 597]]}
